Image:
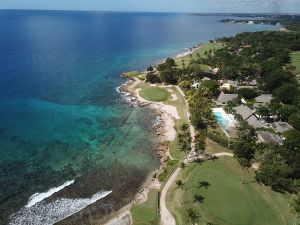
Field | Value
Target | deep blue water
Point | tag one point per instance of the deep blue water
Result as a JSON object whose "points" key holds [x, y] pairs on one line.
{"points": [[60, 116]]}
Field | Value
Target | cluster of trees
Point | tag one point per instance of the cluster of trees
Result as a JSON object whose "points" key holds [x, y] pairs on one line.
{"points": [[201, 104], [260, 56], [264, 56], [184, 138]]}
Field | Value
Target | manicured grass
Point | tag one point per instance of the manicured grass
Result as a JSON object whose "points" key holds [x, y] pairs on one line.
{"points": [[296, 60], [139, 75], [180, 106], [213, 147], [174, 151], [201, 50], [155, 94], [226, 200], [146, 213]]}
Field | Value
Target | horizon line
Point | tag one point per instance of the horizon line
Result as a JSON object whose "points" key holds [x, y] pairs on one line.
{"points": [[126, 11]]}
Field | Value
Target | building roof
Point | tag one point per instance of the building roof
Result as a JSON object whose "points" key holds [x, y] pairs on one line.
{"points": [[254, 122], [244, 111], [206, 78], [268, 137], [241, 87], [225, 98], [233, 83], [282, 127], [265, 98]]}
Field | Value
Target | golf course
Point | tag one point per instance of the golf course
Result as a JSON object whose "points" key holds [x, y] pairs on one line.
{"points": [[221, 193]]}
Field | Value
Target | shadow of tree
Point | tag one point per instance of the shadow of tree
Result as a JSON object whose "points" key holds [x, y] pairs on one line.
{"points": [[198, 198], [204, 184]]}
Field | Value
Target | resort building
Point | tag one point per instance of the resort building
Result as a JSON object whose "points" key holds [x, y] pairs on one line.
{"points": [[282, 127], [206, 78], [223, 98], [263, 100], [195, 85], [268, 137], [248, 115], [229, 84]]}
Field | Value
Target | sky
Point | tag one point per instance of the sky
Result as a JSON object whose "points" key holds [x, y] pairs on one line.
{"points": [[201, 6]]}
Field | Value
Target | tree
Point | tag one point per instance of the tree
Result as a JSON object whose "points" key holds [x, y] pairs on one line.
{"points": [[264, 112], [186, 84], [200, 144], [169, 75], [287, 93], [180, 184], [170, 62], [201, 104], [247, 93], [150, 68], [212, 86], [152, 78], [294, 120], [274, 172], [193, 215]]}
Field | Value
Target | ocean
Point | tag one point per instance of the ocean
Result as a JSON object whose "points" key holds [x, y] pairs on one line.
{"points": [[72, 150]]}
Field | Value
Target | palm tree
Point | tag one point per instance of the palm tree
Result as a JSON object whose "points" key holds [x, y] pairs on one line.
{"points": [[200, 144], [180, 184], [193, 215]]}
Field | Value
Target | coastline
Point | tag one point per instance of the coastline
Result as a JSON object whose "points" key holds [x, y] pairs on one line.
{"points": [[165, 131]]}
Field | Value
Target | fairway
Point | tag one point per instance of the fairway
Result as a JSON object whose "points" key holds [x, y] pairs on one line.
{"points": [[201, 50], [226, 200], [155, 94], [296, 60], [145, 213]]}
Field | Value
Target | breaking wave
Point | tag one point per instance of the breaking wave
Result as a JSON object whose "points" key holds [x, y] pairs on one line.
{"points": [[38, 197], [43, 213]]}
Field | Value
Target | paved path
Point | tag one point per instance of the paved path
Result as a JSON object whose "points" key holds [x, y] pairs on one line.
{"points": [[223, 154], [166, 218]]}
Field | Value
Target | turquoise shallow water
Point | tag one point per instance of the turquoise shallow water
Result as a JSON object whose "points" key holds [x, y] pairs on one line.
{"points": [[60, 116]]}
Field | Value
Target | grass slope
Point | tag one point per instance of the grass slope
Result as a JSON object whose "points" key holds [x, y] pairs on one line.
{"points": [[226, 200], [296, 60], [145, 213], [200, 50], [155, 94]]}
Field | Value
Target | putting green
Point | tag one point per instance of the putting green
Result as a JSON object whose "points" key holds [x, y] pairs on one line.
{"points": [[155, 94], [226, 200]]}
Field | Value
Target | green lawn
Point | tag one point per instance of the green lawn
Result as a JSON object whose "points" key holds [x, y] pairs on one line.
{"points": [[146, 213], [201, 50], [174, 151], [213, 147], [155, 94], [296, 60], [226, 200]]}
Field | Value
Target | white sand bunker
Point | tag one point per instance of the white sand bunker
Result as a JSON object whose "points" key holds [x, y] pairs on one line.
{"points": [[174, 97]]}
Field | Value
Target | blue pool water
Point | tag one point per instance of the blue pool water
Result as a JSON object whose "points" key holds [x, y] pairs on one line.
{"points": [[60, 116], [223, 121]]}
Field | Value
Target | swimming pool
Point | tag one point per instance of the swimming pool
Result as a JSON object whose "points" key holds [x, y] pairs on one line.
{"points": [[224, 119]]}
